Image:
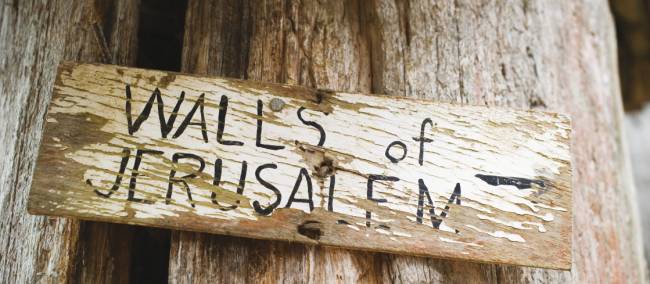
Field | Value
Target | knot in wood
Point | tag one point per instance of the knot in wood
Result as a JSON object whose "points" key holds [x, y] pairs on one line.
{"points": [[310, 229], [325, 168]]}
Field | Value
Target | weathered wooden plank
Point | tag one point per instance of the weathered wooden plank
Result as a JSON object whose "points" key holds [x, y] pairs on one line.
{"points": [[478, 183], [529, 54], [234, 30], [37, 36], [105, 32], [33, 34]]}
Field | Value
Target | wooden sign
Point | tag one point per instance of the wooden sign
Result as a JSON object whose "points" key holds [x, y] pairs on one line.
{"points": [[289, 163]]}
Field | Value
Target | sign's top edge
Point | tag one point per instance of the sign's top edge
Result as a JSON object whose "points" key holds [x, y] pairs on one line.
{"points": [[67, 65]]}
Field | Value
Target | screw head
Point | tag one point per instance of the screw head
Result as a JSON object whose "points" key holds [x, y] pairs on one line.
{"points": [[277, 104]]}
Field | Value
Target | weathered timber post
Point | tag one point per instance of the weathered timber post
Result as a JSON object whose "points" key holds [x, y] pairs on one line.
{"points": [[37, 35], [521, 55]]}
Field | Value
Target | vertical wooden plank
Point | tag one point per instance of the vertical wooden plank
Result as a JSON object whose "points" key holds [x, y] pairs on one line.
{"points": [[110, 31], [217, 38], [426, 52], [105, 32], [132, 33], [34, 37], [313, 44], [216, 41], [32, 40], [522, 55], [322, 45]]}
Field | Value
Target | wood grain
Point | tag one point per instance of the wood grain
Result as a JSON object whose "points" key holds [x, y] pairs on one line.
{"points": [[32, 42], [105, 32], [529, 54], [517, 54], [484, 184]]}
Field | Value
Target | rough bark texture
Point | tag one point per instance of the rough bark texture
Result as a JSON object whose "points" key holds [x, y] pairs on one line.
{"points": [[558, 56], [35, 36], [32, 37]]}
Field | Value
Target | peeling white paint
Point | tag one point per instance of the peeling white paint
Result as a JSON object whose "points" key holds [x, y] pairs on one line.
{"points": [[513, 224], [447, 240], [465, 141], [500, 234]]}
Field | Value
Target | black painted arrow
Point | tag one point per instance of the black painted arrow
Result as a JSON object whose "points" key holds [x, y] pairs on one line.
{"points": [[520, 183]]}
